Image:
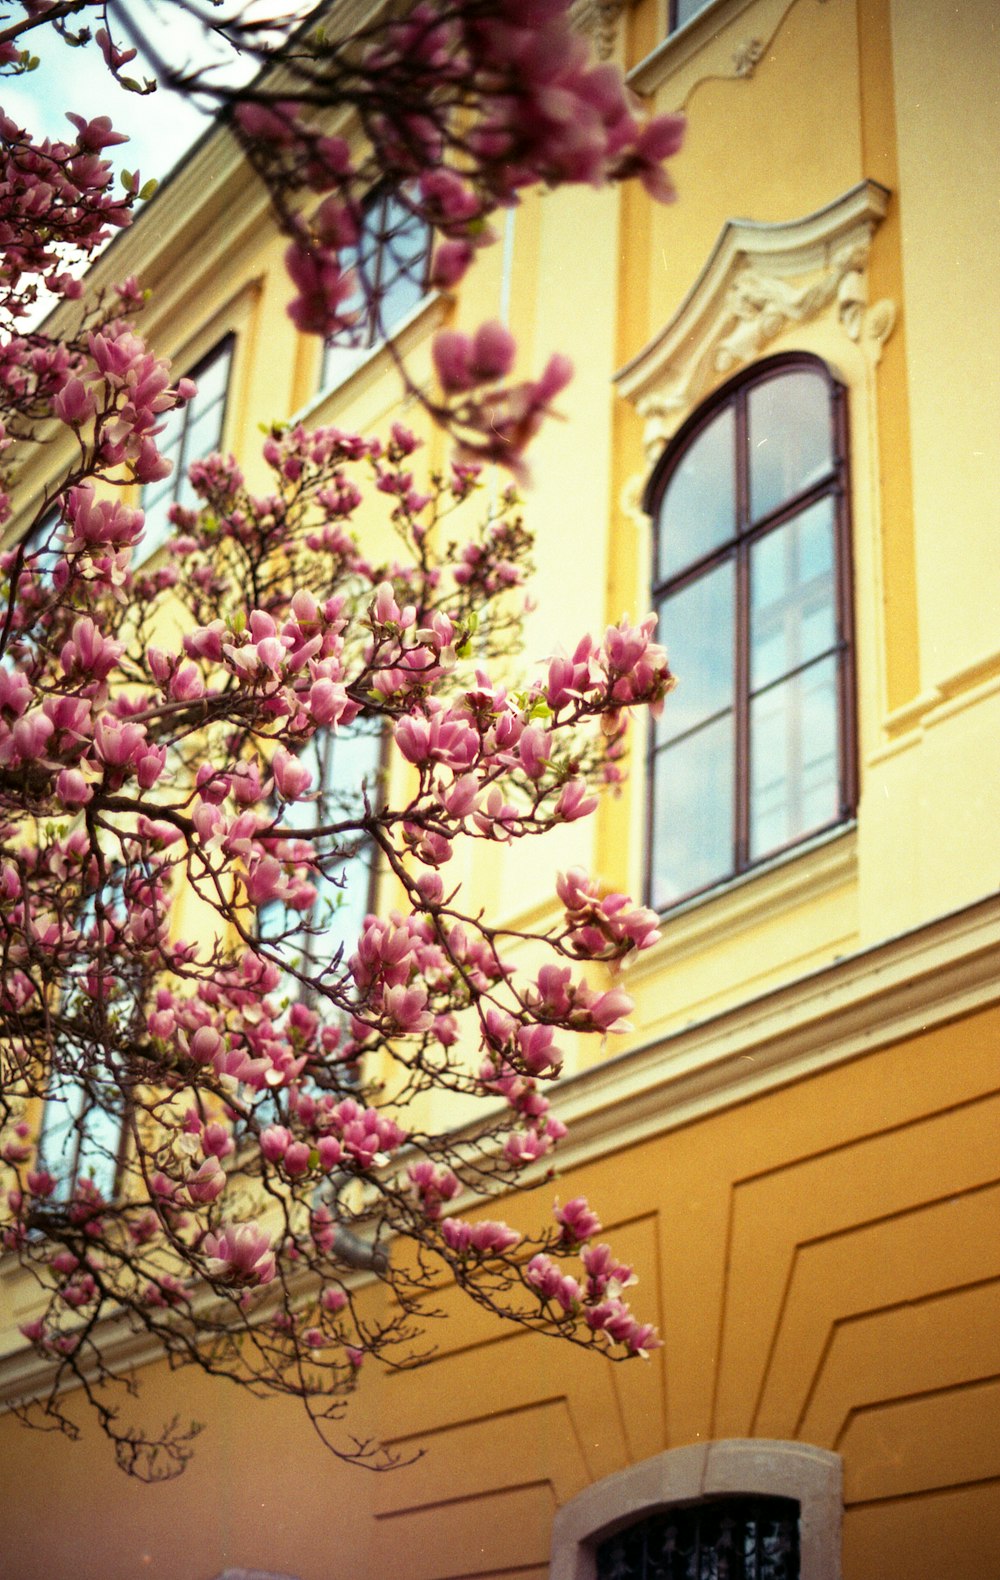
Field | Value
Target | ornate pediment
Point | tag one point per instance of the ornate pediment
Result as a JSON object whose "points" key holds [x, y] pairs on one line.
{"points": [[600, 19], [758, 280]]}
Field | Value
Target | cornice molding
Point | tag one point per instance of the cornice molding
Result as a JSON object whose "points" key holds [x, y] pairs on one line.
{"points": [[760, 278], [939, 972]]}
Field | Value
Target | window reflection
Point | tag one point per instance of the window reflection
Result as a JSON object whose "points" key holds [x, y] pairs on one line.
{"points": [[81, 1135], [793, 768], [789, 439], [695, 620], [792, 595], [390, 265], [684, 10], [698, 510], [692, 812]]}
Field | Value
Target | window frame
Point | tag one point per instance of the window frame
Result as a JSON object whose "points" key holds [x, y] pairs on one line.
{"points": [[703, 1472], [309, 934], [747, 532], [225, 347], [673, 25], [342, 352], [78, 1097]]}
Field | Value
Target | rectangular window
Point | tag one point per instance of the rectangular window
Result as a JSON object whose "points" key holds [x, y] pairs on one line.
{"points": [[390, 262], [345, 769], [81, 1136], [189, 434], [83, 1121]]}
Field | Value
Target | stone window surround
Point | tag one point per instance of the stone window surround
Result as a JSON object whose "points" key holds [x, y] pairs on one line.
{"points": [[699, 1472]]}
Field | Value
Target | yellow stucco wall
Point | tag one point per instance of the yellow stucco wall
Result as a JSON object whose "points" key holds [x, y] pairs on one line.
{"points": [[822, 1257]]}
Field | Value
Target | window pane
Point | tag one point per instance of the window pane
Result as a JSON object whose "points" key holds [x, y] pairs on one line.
{"points": [[344, 902], [99, 1146], [168, 441], [699, 507], [686, 9], [790, 438], [189, 433], [696, 626], [157, 529], [692, 813], [340, 352], [794, 758], [792, 595], [344, 767], [58, 1143], [203, 433], [402, 265], [211, 380]]}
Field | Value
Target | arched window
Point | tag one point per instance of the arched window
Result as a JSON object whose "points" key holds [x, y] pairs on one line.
{"points": [[751, 580], [733, 1509]]}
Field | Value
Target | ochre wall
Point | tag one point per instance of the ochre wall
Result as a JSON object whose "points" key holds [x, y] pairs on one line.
{"points": [[824, 1263]]}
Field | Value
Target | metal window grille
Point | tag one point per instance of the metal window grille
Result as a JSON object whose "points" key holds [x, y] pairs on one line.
{"points": [[741, 1538]]}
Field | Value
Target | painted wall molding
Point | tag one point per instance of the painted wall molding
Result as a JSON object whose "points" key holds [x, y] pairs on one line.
{"points": [[942, 971], [707, 49]]}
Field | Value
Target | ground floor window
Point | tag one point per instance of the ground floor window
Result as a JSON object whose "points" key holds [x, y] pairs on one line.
{"points": [[730, 1509], [726, 1539]]}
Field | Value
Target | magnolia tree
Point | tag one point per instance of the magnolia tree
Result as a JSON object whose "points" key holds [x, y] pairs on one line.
{"points": [[215, 1140]]}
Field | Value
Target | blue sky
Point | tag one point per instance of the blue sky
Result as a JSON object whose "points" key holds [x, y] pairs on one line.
{"points": [[160, 126]]}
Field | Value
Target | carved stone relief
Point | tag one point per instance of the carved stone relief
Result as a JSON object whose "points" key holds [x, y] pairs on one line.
{"points": [[600, 19], [759, 280]]}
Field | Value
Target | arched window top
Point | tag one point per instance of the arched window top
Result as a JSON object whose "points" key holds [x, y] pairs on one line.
{"points": [[751, 582], [715, 1487], [759, 444]]}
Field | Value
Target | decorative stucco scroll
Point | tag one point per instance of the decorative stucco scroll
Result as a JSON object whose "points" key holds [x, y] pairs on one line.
{"points": [[760, 279], [747, 55], [600, 19]]}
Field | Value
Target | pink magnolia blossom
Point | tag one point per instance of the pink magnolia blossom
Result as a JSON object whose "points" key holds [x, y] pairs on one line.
{"points": [[577, 1220], [240, 1254], [481, 1239]]}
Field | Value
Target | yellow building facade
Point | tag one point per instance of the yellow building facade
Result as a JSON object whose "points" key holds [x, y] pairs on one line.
{"points": [[798, 1144]]}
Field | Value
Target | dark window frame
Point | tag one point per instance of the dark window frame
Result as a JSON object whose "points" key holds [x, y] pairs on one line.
{"points": [[226, 347], [834, 484]]}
